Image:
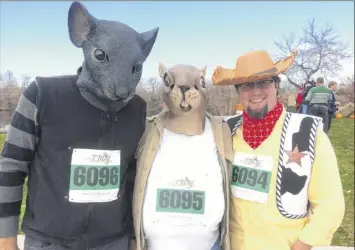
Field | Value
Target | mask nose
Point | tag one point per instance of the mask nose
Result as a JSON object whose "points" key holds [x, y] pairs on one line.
{"points": [[184, 89]]}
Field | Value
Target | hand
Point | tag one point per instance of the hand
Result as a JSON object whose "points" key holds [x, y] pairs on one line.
{"points": [[133, 245], [299, 245], [8, 244]]}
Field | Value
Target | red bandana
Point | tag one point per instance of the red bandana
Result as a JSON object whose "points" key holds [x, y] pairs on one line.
{"points": [[255, 131]]}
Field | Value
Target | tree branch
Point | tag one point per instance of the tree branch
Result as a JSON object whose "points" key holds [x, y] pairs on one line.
{"points": [[319, 50]]}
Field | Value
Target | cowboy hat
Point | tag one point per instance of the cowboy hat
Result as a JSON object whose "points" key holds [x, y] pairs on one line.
{"points": [[253, 66]]}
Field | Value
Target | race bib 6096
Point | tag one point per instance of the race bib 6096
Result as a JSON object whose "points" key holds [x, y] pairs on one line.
{"points": [[94, 175]]}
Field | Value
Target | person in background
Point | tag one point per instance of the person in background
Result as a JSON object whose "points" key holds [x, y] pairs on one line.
{"points": [[319, 98], [332, 108], [299, 99], [305, 104], [300, 106]]}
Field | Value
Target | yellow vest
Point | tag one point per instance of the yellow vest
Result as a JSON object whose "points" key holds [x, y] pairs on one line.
{"points": [[257, 226]]}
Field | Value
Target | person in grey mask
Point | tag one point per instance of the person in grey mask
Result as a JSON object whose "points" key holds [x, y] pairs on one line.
{"points": [[75, 137]]}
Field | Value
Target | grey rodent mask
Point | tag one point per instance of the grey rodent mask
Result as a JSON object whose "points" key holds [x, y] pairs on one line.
{"points": [[114, 54]]}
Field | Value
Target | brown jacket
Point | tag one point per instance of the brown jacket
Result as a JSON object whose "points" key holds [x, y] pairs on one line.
{"points": [[145, 155]]}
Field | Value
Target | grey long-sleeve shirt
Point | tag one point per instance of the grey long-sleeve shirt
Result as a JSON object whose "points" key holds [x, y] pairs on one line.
{"points": [[16, 157]]}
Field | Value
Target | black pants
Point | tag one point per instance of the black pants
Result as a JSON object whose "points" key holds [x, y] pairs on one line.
{"points": [[33, 244], [322, 112], [330, 117]]}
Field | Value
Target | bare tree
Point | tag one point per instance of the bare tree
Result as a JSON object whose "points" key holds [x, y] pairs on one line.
{"points": [[10, 92], [25, 81], [9, 78], [346, 91], [140, 91], [2, 81], [284, 85], [319, 50], [151, 84], [221, 99], [152, 88], [348, 80]]}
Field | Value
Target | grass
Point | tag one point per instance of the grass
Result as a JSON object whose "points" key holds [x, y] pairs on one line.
{"points": [[342, 137]]}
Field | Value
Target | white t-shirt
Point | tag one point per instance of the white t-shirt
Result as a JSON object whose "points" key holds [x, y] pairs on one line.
{"points": [[184, 200]]}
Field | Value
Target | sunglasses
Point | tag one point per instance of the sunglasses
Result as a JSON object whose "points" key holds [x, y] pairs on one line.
{"points": [[251, 85]]}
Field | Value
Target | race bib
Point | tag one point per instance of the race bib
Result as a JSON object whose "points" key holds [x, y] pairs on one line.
{"points": [[180, 201], [251, 176], [94, 175]]}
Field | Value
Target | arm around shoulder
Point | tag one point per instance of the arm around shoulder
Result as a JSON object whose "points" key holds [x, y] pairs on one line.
{"points": [[228, 142], [143, 139], [326, 196]]}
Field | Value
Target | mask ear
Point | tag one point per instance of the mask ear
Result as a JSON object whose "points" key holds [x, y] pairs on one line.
{"points": [[163, 73], [202, 77], [203, 71], [80, 23], [148, 40], [162, 70]]}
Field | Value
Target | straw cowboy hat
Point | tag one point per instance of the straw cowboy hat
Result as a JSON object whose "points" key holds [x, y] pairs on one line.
{"points": [[253, 66]]}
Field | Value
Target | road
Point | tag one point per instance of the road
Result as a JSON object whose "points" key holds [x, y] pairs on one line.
{"points": [[20, 240]]}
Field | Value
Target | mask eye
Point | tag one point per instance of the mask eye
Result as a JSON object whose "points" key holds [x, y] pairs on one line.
{"points": [[100, 55], [137, 68]]}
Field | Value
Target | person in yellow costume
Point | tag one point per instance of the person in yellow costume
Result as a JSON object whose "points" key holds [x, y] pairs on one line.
{"points": [[285, 183]]}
